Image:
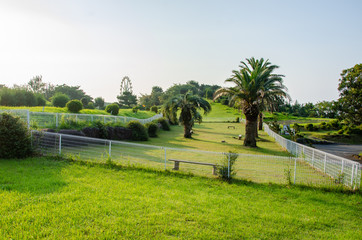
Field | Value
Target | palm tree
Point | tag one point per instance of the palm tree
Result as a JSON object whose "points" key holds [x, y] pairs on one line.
{"points": [[188, 104], [255, 87]]}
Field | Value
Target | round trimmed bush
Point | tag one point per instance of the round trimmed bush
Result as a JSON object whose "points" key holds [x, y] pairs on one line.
{"points": [[154, 109], [139, 131], [60, 100], [15, 140], [74, 106], [164, 124], [309, 127], [40, 100], [112, 109], [152, 129]]}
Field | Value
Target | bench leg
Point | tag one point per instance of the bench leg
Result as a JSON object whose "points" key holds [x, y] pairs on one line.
{"points": [[214, 170], [176, 166]]}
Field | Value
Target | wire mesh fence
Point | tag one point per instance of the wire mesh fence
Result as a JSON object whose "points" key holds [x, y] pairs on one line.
{"points": [[340, 169], [54, 120], [256, 168]]}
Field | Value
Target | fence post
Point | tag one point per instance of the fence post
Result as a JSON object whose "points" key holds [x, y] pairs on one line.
{"points": [[104, 119], [110, 149], [342, 166], [295, 169], [60, 144], [313, 158], [325, 162], [92, 118], [165, 159], [352, 176], [56, 120], [76, 118], [28, 118], [229, 165]]}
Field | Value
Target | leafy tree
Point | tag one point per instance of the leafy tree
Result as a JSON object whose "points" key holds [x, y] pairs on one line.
{"points": [[73, 92], [127, 99], [36, 84], [60, 100], [188, 104], [253, 82], [113, 109], [99, 102], [350, 94]]}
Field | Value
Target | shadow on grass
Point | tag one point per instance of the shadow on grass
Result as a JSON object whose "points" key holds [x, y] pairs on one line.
{"points": [[38, 175]]}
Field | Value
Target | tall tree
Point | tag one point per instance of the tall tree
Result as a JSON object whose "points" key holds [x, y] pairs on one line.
{"points": [[187, 104], [350, 94], [127, 99], [36, 84], [255, 84], [99, 102]]}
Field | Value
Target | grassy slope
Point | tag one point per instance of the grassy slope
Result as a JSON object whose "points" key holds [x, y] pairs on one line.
{"points": [[208, 136], [122, 112], [45, 198], [221, 113]]}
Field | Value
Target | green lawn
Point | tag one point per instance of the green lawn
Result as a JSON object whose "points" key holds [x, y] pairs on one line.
{"points": [[44, 198]]}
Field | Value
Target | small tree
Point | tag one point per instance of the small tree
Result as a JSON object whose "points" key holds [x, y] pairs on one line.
{"points": [[74, 106], [154, 109], [15, 140], [99, 102], [112, 109], [127, 99], [60, 100], [139, 131]]}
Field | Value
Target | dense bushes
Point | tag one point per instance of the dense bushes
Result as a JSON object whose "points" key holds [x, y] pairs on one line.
{"points": [[152, 129], [154, 109], [112, 109], [60, 100], [139, 131], [15, 141], [20, 97], [74, 106], [164, 124]]}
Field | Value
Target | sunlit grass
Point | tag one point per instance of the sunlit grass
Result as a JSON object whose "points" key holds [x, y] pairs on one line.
{"points": [[45, 198]]}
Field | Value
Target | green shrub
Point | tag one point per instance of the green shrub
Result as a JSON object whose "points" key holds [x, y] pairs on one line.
{"points": [[112, 109], [40, 100], [154, 109], [223, 168], [90, 105], [296, 127], [139, 131], [309, 127], [237, 119], [152, 129], [323, 126], [74, 106], [103, 133], [135, 109], [15, 140], [225, 101], [60, 100], [164, 124], [334, 124]]}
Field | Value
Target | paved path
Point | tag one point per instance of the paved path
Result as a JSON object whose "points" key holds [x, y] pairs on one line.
{"points": [[343, 150]]}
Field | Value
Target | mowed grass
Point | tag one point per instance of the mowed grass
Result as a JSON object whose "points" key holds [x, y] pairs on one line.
{"points": [[44, 198], [210, 137]]}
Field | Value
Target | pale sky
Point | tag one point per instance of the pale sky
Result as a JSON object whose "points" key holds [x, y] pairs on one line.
{"points": [[95, 43]]}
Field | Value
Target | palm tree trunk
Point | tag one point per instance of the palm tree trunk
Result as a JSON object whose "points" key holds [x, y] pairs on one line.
{"points": [[187, 130], [250, 136], [260, 121]]}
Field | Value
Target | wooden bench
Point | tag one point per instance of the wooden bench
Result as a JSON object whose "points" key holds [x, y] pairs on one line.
{"points": [[231, 127], [177, 164]]}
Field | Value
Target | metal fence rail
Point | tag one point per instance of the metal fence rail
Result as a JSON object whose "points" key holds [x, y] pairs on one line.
{"points": [[49, 120], [257, 168], [341, 169]]}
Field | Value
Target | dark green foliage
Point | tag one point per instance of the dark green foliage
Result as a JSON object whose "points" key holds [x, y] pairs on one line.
{"points": [[113, 109], [40, 100], [73, 92], [15, 140], [274, 126], [152, 129], [60, 100], [296, 127], [90, 105], [103, 133], [223, 168], [99, 102], [74, 106], [135, 109], [335, 124], [323, 126], [164, 124], [127, 100], [154, 109], [17, 97], [309, 127], [237, 119], [224, 101], [350, 92], [139, 131]]}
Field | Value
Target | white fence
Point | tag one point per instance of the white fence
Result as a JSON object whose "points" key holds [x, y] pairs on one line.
{"points": [[334, 166], [48, 120], [257, 168]]}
